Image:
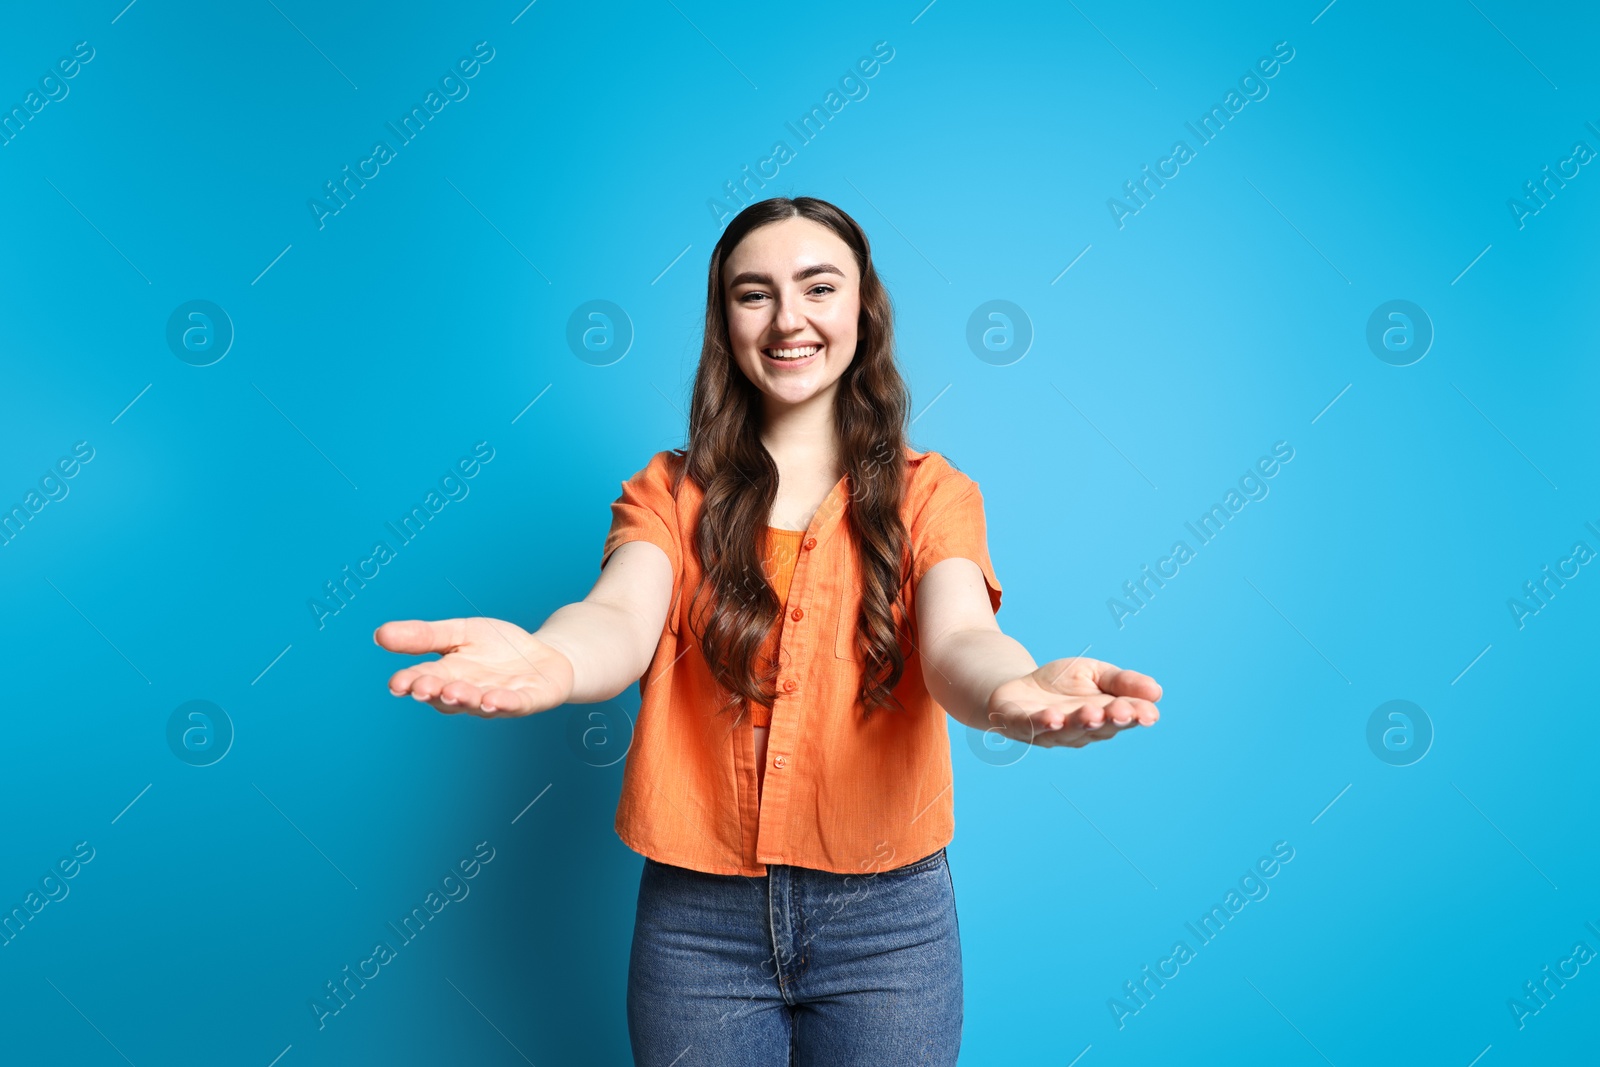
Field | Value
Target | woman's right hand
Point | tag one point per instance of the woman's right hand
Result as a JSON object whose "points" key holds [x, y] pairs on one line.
{"points": [[488, 667]]}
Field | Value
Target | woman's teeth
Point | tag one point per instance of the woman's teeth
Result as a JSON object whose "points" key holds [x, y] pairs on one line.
{"points": [[792, 353]]}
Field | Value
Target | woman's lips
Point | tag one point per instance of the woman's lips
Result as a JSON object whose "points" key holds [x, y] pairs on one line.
{"points": [[775, 362]]}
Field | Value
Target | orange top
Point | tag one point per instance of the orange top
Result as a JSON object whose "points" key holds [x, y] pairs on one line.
{"points": [[842, 793]]}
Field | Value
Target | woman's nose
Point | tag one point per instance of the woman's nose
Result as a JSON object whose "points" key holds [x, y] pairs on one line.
{"points": [[789, 318]]}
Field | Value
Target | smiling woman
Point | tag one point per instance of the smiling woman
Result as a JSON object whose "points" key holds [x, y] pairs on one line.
{"points": [[801, 595]]}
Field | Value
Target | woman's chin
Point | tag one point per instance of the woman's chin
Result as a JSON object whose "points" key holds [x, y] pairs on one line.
{"points": [[793, 394]]}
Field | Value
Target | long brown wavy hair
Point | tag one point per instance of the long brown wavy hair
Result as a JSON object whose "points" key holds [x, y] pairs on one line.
{"points": [[739, 479]]}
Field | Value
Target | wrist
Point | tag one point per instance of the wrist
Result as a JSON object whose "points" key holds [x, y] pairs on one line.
{"points": [[566, 673]]}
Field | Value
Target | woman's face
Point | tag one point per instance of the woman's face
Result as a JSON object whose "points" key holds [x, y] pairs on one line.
{"points": [[791, 288]]}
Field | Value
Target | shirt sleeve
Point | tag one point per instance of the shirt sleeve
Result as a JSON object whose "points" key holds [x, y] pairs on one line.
{"points": [[647, 511], [951, 523]]}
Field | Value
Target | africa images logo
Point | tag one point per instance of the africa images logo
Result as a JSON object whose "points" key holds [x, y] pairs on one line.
{"points": [[453, 84], [1253, 84]]}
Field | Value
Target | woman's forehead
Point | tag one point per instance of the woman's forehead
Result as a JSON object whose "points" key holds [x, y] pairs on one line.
{"points": [[788, 246]]}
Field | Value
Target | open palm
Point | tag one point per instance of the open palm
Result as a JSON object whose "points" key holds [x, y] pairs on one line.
{"points": [[1073, 701], [488, 667]]}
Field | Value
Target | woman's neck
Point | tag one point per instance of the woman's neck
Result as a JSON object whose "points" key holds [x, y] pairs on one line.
{"points": [[801, 435]]}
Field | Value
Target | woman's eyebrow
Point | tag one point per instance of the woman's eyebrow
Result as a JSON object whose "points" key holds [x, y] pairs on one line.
{"points": [[758, 278]]}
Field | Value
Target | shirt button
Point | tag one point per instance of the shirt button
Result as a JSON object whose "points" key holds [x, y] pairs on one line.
{"points": [[789, 686], [811, 542], [780, 762], [796, 614]]}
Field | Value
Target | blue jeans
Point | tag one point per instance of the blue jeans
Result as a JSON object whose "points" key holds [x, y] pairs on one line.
{"points": [[796, 967]]}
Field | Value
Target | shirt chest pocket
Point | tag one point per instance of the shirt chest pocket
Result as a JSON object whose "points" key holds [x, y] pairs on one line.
{"points": [[850, 585], [847, 589], [844, 645]]}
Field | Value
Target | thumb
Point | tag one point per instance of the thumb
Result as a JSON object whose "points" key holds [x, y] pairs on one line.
{"points": [[415, 637]]}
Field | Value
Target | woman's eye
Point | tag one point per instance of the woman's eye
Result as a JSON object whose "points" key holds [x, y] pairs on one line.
{"points": [[814, 290]]}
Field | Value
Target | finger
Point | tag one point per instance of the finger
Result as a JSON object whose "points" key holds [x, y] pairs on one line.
{"points": [[508, 702], [1105, 732], [426, 687], [1120, 712], [500, 704], [1091, 715], [1084, 736], [1020, 721], [488, 703], [400, 682], [1050, 722], [1131, 711], [1125, 714], [460, 694], [1126, 683], [1036, 723], [1088, 723], [416, 637], [1073, 732]]}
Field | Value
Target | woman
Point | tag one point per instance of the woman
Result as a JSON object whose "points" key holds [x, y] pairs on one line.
{"points": [[803, 596]]}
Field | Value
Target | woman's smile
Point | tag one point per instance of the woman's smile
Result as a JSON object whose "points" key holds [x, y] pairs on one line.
{"points": [[793, 355]]}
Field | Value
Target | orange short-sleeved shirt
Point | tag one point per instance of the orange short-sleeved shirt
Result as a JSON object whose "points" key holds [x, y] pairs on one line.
{"points": [[842, 793]]}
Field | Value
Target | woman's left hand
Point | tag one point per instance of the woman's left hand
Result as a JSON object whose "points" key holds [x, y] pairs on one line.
{"points": [[1072, 702]]}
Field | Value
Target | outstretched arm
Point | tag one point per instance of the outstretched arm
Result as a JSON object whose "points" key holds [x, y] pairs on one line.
{"points": [[585, 652], [987, 680]]}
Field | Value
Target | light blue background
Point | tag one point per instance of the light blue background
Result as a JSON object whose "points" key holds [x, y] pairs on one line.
{"points": [[431, 311]]}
